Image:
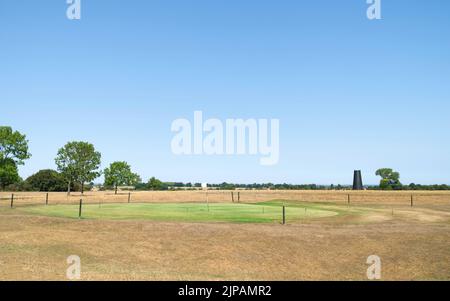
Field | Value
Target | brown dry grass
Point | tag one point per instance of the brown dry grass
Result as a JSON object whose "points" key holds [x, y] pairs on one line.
{"points": [[413, 243], [247, 196]]}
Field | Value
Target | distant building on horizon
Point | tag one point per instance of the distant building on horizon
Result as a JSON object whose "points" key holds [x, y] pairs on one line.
{"points": [[357, 180]]}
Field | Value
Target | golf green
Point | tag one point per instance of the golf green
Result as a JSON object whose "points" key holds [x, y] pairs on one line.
{"points": [[185, 212]]}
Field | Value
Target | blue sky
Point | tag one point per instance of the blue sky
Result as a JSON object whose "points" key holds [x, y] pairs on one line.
{"points": [[350, 93]]}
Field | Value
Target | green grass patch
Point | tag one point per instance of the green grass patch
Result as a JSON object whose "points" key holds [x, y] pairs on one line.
{"points": [[185, 212]]}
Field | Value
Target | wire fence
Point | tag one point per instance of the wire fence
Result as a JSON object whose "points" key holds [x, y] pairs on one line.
{"points": [[403, 198]]}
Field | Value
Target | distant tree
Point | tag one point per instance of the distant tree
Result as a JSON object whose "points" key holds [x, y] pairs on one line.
{"points": [[227, 186], [119, 173], [155, 184], [19, 186], [46, 180], [13, 152], [9, 173], [141, 186], [390, 179], [78, 162]]}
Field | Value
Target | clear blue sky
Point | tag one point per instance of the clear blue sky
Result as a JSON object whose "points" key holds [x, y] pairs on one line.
{"points": [[350, 93]]}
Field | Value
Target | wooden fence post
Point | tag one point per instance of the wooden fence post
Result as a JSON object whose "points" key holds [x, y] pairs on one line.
{"points": [[79, 210], [239, 197], [348, 199], [412, 201], [284, 215], [129, 197], [232, 196], [12, 200], [46, 199]]}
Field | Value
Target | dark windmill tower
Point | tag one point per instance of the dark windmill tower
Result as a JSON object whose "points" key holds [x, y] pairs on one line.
{"points": [[357, 181]]}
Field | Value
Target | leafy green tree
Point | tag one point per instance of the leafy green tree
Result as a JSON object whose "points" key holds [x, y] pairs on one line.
{"points": [[13, 145], [46, 180], [119, 173], [9, 173], [155, 184], [13, 152], [390, 179], [141, 186], [78, 162]]}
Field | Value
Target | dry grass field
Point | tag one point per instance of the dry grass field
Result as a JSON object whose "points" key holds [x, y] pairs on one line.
{"points": [[412, 242]]}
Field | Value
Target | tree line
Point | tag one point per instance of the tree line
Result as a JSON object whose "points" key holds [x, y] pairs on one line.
{"points": [[78, 165]]}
